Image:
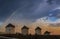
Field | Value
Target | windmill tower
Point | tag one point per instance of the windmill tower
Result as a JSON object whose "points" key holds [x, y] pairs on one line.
{"points": [[24, 30], [38, 31], [10, 29]]}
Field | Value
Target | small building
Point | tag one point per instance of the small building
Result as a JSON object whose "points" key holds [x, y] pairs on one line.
{"points": [[38, 31], [10, 29], [24, 30], [47, 33]]}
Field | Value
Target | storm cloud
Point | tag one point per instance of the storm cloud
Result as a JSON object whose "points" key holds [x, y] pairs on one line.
{"points": [[26, 9]]}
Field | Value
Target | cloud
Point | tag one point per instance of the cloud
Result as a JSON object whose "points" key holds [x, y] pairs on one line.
{"points": [[53, 2], [33, 10], [48, 21], [26, 9]]}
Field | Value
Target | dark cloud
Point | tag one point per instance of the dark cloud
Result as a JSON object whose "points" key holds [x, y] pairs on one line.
{"points": [[9, 6], [6, 8], [26, 9], [55, 12], [53, 1], [49, 1]]}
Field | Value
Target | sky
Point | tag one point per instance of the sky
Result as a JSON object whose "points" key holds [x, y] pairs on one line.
{"points": [[27, 12]]}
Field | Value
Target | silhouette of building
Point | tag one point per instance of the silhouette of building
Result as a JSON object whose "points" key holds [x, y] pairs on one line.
{"points": [[10, 29], [24, 30], [47, 33], [38, 31]]}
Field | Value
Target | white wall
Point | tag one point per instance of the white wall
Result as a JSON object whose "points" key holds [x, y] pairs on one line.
{"points": [[38, 32], [10, 30], [25, 31]]}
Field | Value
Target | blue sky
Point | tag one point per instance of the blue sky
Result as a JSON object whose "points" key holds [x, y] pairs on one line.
{"points": [[28, 9], [52, 19]]}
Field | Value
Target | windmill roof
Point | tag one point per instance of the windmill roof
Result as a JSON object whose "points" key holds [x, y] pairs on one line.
{"points": [[25, 27], [38, 28], [47, 32], [10, 25]]}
